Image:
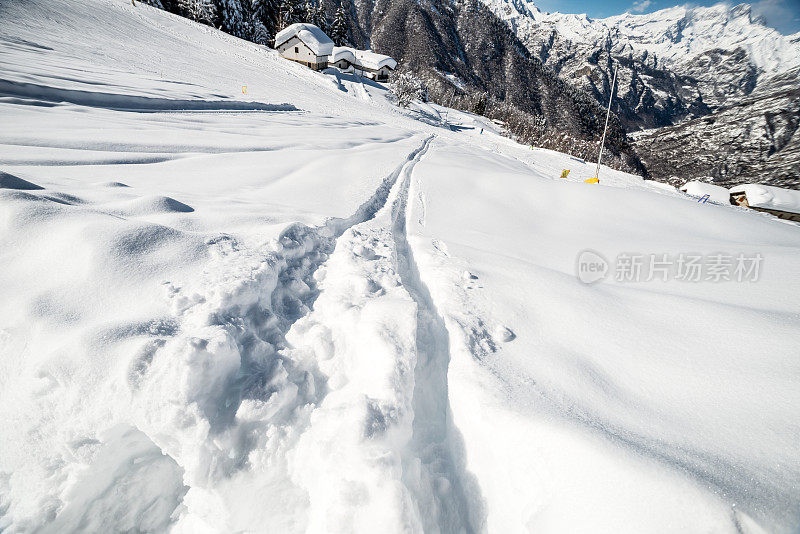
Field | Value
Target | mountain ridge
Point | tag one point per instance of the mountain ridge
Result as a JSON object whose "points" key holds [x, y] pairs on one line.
{"points": [[670, 33], [678, 67]]}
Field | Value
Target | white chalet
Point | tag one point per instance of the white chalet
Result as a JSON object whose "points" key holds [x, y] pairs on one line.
{"points": [[306, 44], [343, 58], [375, 66]]}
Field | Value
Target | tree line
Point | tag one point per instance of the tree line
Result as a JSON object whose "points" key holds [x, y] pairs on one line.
{"points": [[260, 20]]}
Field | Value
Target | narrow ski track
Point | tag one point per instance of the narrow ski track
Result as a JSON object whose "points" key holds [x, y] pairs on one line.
{"points": [[448, 500], [248, 300], [293, 347], [304, 250]]}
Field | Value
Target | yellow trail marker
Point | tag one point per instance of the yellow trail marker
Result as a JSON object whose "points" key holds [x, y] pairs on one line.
{"points": [[244, 89], [564, 173], [592, 181]]}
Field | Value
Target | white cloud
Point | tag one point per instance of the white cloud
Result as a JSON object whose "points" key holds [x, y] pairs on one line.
{"points": [[640, 5]]}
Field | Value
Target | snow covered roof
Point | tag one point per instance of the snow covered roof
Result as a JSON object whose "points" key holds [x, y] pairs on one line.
{"points": [[311, 35], [770, 197], [373, 61], [342, 52], [716, 193]]}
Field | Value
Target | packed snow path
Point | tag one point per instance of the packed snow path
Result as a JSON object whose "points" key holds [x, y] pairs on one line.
{"points": [[237, 295], [435, 443]]}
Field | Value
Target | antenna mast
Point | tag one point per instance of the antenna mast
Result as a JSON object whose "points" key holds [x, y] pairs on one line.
{"points": [[608, 112]]}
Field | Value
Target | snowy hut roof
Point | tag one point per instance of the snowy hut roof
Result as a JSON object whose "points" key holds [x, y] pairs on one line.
{"points": [[311, 35], [342, 52], [716, 193], [770, 197], [373, 61]]}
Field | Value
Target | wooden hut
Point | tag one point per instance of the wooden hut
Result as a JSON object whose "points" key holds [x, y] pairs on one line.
{"points": [[783, 203]]}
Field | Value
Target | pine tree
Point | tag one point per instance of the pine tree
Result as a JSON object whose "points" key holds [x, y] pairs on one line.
{"points": [[283, 7], [259, 34], [289, 13], [309, 12], [232, 17], [203, 11], [265, 15], [406, 87], [320, 18], [338, 30]]}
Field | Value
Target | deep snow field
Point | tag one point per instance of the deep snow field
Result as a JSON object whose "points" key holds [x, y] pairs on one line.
{"points": [[300, 308]]}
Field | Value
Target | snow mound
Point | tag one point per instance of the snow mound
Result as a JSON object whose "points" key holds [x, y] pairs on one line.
{"points": [[715, 193], [128, 484], [373, 60], [148, 205], [342, 52], [125, 102]]}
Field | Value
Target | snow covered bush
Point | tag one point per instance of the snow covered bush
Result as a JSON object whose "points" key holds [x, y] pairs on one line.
{"points": [[406, 88]]}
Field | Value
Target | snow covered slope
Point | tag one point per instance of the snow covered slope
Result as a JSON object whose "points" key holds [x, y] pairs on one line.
{"points": [[240, 296]]}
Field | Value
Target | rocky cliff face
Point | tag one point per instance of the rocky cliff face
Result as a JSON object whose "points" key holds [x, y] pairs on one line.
{"points": [[646, 96], [721, 76], [754, 140]]}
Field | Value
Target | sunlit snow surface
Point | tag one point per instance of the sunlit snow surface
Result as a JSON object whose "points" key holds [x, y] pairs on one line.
{"points": [[240, 296]]}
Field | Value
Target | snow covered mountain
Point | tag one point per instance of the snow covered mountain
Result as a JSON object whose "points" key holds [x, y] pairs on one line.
{"points": [[675, 65], [547, 76], [675, 59], [670, 37], [466, 57], [237, 295]]}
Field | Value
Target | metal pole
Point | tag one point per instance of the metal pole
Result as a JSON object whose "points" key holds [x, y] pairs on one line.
{"points": [[608, 112]]}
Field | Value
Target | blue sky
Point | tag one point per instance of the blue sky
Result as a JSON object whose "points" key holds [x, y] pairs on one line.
{"points": [[784, 15]]}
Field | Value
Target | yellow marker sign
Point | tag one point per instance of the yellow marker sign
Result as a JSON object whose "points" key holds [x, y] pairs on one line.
{"points": [[244, 89], [564, 173]]}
